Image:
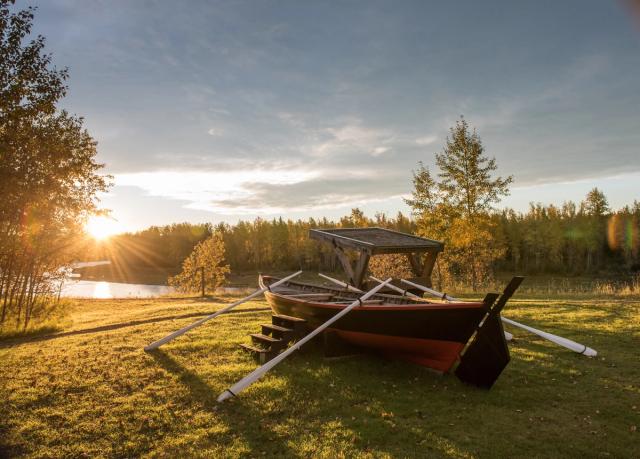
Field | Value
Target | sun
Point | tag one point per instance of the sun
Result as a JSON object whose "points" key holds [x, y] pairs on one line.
{"points": [[100, 227]]}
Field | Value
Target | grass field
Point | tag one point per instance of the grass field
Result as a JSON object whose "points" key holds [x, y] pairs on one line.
{"points": [[90, 390]]}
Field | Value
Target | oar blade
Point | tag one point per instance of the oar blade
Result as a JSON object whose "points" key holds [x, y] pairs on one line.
{"points": [[559, 340]]}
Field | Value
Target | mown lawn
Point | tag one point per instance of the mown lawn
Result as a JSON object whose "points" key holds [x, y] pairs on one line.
{"points": [[91, 391]]}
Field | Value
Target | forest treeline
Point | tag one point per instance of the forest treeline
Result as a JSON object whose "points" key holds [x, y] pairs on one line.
{"points": [[570, 239], [455, 203]]}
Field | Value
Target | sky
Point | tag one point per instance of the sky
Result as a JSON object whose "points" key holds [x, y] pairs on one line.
{"points": [[218, 111]]}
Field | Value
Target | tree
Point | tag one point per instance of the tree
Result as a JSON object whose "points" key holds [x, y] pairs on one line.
{"points": [[457, 207], [466, 185], [208, 254], [596, 203], [48, 174], [595, 208]]}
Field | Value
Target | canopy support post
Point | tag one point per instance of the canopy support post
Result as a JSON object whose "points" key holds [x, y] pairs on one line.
{"points": [[345, 262], [357, 273], [422, 268], [427, 268], [361, 268]]}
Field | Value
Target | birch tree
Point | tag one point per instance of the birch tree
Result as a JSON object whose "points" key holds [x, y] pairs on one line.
{"points": [[456, 206]]}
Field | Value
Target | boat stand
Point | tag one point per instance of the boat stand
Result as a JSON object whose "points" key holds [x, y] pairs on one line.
{"points": [[336, 347]]}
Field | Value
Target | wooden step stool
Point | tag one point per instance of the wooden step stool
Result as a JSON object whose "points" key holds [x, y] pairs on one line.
{"points": [[275, 337]]}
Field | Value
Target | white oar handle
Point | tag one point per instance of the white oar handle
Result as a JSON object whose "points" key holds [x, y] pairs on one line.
{"points": [[559, 340], [341, 283], [258, 372], [431, 291], [396, 289], [182, 331]]}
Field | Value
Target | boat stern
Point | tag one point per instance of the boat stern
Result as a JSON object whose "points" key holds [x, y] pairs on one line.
{"points": [[487, 352]]}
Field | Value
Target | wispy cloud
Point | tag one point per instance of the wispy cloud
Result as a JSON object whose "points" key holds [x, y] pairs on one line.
{"points": [[266, 191], [206, 190], [216, 131], [352, 137], [427, 140]]}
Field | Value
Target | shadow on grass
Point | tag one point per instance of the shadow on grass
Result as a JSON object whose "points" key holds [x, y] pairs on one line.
{"points": [[332, 417], [30, 338], [232, 414], [37, 331]]}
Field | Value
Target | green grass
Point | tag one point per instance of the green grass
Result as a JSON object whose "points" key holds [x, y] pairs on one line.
{"points": [[90, 390], [48, 317]]}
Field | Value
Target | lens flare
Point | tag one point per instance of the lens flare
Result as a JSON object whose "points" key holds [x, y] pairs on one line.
{"points": [[622, 233], [102, 290], [100, 227]]}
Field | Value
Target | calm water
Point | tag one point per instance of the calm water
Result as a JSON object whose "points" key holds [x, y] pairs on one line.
{"points": [[101, 289]]}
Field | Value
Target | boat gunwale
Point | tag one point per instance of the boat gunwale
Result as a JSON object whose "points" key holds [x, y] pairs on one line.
{"points": [[418, 304]]}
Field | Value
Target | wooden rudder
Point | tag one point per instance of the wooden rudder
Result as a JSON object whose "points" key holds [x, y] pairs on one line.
{"points": [[487, 353]]}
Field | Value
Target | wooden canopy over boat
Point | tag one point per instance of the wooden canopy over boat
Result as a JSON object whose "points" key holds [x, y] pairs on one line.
{"points": [[421, 252]]}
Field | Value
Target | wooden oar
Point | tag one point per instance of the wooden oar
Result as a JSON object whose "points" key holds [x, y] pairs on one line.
{"points": [[182, 331], [442, 296], [339, 282], [559, 340], [397, 289], [258, 372]]}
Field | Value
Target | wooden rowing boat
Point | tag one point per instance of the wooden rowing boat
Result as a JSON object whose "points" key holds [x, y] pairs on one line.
{"points": [[465, 337]]}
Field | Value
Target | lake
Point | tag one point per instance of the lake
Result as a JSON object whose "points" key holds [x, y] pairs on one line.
{"points": [[102, 289]]}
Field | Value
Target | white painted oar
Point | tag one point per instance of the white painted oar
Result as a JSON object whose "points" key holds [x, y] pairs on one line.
{"points": [[559, 340], [182, 331], [397, 289], [442, 296], [258, 372], [341, 283]]}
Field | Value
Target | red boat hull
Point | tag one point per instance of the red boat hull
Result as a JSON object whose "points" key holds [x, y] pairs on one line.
{"points": [[428, 334], [436, 335], [439, 355]]}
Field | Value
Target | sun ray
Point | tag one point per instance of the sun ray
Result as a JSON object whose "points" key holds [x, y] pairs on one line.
{"points": [[101, 227]]}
